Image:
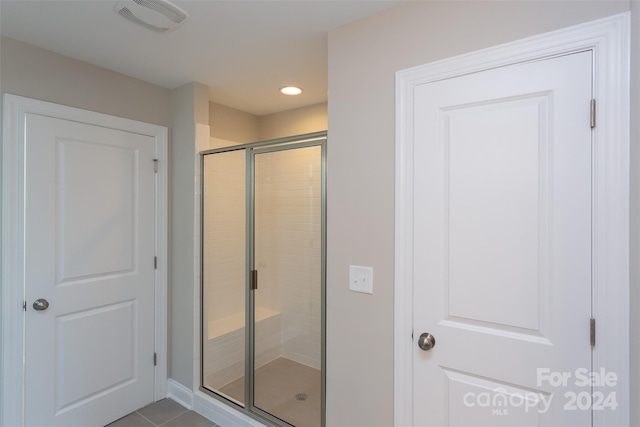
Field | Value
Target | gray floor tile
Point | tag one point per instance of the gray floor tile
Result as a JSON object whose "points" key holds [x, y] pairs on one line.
{"points": [[162, 411], [132, 420], [189, 419]]}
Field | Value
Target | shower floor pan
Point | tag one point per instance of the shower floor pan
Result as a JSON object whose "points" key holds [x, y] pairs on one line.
{"points": [[286, 389]]}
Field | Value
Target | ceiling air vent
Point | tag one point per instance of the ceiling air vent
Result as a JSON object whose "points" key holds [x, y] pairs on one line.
{"points": [[156, 15]]}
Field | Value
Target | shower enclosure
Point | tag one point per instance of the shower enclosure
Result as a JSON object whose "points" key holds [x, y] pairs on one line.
{"points": [[263, 280]]}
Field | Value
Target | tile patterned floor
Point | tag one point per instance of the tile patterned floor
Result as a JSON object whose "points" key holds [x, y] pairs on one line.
{"points": [[284, 388], [163, 413]]}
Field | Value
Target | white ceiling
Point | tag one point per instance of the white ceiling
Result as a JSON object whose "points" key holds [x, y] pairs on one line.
{"points": [[243, 50]]}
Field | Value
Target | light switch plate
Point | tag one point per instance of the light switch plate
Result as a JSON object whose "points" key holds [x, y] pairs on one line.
{"points": [[361, 279]]}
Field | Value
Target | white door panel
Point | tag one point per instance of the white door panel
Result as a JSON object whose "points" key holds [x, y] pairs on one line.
{"points": [[502, 208], [89, 252], [94, 175]]}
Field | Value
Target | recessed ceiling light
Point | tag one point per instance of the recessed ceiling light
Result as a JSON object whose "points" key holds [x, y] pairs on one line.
{"points": [[291, 90]]}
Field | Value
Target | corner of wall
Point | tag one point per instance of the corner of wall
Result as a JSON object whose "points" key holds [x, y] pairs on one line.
{"points": [[187, 106]]}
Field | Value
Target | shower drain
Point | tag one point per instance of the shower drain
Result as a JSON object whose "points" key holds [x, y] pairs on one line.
{"points": [[301, 397]]}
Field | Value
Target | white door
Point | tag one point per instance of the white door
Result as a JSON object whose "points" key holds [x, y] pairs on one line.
{"points": [[502, 276], [89, 252]]}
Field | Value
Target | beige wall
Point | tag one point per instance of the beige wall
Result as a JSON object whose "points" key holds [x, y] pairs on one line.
{"points": [[363, 58], [233, 125], [41, 74], [293, 122], [190, 105]]}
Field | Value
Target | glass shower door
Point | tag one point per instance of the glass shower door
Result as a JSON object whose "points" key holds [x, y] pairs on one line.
{"points": [[263, 263], [287, 304], [224, 274]]}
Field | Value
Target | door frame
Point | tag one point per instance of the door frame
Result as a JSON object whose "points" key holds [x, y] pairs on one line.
{"points": [[608, 39], [16, 108]]}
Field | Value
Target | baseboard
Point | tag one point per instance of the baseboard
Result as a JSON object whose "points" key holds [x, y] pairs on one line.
{"points": [[180, 394], [210, 408]]}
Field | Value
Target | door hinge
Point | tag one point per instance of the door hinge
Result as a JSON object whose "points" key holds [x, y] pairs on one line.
{"points": [[593, 113], [155, 262], [155, 359], [592, 331], [155, 165], [24, 306], [254, 280]]}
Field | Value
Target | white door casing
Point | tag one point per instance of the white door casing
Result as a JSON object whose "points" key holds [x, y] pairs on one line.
{"points": [[607, 40], [68, 174]]}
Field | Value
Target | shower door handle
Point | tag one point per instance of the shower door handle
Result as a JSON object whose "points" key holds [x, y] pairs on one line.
{"points": [[254, 280]]}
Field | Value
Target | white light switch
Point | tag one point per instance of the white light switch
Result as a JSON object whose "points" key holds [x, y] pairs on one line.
{"points": [[361, 279]]}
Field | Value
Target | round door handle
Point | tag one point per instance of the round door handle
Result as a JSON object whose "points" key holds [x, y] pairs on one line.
{"points": [[40, 304], [426, 341]]}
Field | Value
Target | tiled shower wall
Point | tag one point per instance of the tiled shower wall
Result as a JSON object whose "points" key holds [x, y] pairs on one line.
{"points": [[224, 236], [288, 247]]}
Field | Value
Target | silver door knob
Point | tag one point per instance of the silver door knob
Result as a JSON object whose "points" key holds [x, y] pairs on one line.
{"points": [[426, 341], [40, 304]]}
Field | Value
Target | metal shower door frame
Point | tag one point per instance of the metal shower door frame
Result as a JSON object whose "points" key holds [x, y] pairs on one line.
{"points": [[251, 150]]}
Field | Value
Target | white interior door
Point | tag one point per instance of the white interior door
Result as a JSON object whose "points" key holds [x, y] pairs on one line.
{"points": [[89, 252], [502, 247]]}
